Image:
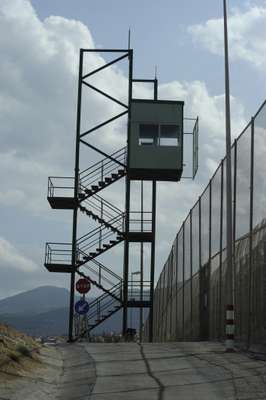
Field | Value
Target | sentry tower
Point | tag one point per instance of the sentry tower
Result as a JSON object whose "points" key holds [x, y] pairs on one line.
{"points": [[156, 140], [153, 151]]}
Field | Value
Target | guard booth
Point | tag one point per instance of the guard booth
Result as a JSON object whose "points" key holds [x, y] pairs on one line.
{"points": [[156, 140]]}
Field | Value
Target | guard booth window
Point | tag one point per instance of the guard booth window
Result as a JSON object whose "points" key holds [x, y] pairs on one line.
{"points": [[148, 134], [169, 135], [158, 135]]}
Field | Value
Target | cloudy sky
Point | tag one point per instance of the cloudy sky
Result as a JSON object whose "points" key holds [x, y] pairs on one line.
{"points": [[40, 41]]}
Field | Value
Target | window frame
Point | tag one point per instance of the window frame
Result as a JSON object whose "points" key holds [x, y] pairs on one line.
{"points": [[157, 139]]}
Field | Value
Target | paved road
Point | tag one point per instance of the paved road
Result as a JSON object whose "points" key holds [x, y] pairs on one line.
{"points": [[167, 371]]}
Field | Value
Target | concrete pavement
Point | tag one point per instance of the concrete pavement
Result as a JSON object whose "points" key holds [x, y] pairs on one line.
{"points": [[128, 371], [166, 371]]}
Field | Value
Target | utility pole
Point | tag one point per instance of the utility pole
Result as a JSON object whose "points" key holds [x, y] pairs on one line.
{"points": [[229, 226], [141, 266]]}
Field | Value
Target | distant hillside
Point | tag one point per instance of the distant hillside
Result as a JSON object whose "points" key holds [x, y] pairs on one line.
{"points": [[54, 322], [39, 300], [44, 311]]}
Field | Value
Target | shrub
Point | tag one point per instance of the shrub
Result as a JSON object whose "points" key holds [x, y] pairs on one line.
{"points": [[23, 350], [14, 356]]}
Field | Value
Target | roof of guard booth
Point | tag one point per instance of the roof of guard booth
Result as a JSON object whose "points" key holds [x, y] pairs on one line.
{"points": [[158, 101]]}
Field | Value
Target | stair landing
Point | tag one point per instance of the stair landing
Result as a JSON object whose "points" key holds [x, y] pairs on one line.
{"points": [[65, 268], [62, 203]]}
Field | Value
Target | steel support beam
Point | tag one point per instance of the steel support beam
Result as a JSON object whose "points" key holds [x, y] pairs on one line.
{"points": [[127, 200], [75, 211]]}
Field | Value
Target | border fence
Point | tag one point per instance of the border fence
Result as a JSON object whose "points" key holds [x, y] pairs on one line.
{"points": [[190, 296]]}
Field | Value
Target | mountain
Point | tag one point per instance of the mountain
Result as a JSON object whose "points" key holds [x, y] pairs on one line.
{"points": [[49, 323], [44, 311], [39, 300]]}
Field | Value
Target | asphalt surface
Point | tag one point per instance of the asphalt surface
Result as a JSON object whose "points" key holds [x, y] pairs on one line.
{"points": [[167, 371], [129, 371]]}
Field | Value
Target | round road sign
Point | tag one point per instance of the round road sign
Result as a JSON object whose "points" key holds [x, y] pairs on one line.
{"points": [[83, 285], [82, 307]]}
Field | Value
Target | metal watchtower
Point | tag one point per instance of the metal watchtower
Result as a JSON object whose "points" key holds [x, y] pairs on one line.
{"points": [[153, 152]]}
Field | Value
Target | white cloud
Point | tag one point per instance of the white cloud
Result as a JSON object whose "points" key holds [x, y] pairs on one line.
{"points": [[210, 109], [247, 30], [12, 258], [12, 197], [38, 78]]}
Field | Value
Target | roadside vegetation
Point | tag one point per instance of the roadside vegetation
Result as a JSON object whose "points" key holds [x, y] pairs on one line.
{"points": [[15, 349]]}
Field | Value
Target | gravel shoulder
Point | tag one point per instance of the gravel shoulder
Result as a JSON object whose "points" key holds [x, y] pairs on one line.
{"points": [[64, 371]]}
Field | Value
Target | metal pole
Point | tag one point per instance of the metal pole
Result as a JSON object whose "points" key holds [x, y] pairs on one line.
{"points": [[221, 250], [183, 283], [229, 239], [250, 302], [75, 211], [210, 326], [131, 295], [152, 259], [176, 288], [155, 94], [127, 213], [141, 266], [191, 274]]}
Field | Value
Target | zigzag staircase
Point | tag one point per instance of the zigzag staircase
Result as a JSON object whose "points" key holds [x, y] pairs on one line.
{"points": [[108, 234], [110, 301], [102, 174]]}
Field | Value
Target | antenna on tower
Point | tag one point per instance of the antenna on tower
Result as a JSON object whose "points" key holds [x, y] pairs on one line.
{"points": [[155, 72], [129, 37]]}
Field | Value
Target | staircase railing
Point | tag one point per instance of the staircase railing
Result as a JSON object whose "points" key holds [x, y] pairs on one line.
{"points": [[102, 273], [103, 168], [60, 186], [58, 253], [63, 186], [103, 208], [98, 236], [105, 304]]}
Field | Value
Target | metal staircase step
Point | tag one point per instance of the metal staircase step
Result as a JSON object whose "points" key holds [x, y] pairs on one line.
{"points": [[108, 180], [88, 191], [114, 176], [92, 254], [113, 241], [121, 171], [106, 246], [101, 184], [95, 188], [99, 249]]}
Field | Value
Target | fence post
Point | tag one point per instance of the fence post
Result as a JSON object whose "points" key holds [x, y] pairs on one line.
{"points": [[191, 282], [234, 230], [199, 272], [221, 250], [210, 331], [183, 291], [250, 319], [176, 287]]}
